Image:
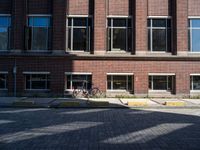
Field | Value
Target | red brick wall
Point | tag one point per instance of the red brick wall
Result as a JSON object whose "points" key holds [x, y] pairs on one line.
{"points": [[159, 7], [39, 6], [118, 7], [193, 8], [78, 7], [5, 6]]}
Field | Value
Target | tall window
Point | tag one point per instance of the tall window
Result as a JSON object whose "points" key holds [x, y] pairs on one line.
{"points": [[38, 33], [119, 82], [159, 35], [194, 35], [3, 81], [5, 23], [79, 34], [76, 81], [37, 81], [119, 34], [161, 83], [195, 83]]}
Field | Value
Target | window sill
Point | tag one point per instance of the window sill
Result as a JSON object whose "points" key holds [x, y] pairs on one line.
{"points": [[3, 89], [38, 51], [118, 91], [37, 90], [194, 91]]}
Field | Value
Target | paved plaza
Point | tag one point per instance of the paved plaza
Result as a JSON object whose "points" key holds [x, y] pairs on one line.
{"points": [[99, 129]]}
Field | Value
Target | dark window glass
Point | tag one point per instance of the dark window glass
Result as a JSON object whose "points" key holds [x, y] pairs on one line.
{"points": [[5, 21], [80, 22], [2, 81], [195, 40], [119, 39], [39, 21], [159, 23], [159, 39], [109, 86], [119, 22], [79, 41], [196, 82], [161, 83], [78, 81]]}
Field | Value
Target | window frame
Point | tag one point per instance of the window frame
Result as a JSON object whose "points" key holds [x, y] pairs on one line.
{"points": [[166, 28], [8, 30], [110, 47], [190, 28], [88, 32], [163, 75], [192, 83], [127, 75], [47, 79], [47, 27], [71, 74], [5, 80]]}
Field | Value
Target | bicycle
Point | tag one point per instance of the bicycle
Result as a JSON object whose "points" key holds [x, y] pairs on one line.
{"points": [[86, 93]]}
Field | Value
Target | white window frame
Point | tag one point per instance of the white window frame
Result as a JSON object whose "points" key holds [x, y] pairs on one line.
{"points": [[151, 18], [192, 83], [111, 27], [36, 73], [72, 17], [71, 75], [119, 74], [167, 75], [47, 42], [5, 80], [190, 28], [6, 15]]}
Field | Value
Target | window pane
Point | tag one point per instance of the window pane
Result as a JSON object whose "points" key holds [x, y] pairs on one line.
{"points": [[149, 39], [2, 81], [196, 23], [69, 39], [170, 83], [159, 82], [196, 40], [130, 80], [79, 40], [80, 22], [196, 82], [28, 79], [119, 22], [130, 40], [159, 40], [3, 38], [109, 83], [79, 80], [109, 39], [169, 47], [5, 21], [39, 21], [159, 23], [40, 39], [39, 82], [119, 39], [119, 82], [150, 82]]}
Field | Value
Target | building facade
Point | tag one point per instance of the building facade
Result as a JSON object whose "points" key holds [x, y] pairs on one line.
{"points": [[140, 47]]}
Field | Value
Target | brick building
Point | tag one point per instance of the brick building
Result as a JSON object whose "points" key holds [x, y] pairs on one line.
{"points": [[141, 47]]}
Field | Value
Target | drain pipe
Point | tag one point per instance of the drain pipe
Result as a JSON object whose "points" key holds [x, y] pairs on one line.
{"points": [[15, 83]]}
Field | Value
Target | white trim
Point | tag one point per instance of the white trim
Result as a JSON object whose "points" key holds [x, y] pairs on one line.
{"points": [[120, 74], [116, 16], [159, 17], [36, 72], [79, 16], [78, 73], [159, 91], [194, 91], [193, 17], [195, 74], [117, 91], [39, 15], [161, 74], [3, 72]]}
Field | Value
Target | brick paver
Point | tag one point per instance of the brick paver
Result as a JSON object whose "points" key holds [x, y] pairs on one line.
{"points": [[99, 129]]}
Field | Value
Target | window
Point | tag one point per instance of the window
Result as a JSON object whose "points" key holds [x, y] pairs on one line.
{"points": [[76, 81], [119, 82], [37, 82], [163, 83], [79, 34], [159, 35], [195, 83], [119, 34], [3, 81], [38, 33], [5, 23], [194, 35]]}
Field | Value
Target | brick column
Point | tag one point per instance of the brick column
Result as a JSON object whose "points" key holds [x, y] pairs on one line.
{"points": [[18, 24], [100, 26], [180, 25], [141, 82], [140, 23], [182, 84], [59, 26]]}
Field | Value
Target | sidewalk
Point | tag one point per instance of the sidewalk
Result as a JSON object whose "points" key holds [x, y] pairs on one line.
{"points": [[98, 103]]}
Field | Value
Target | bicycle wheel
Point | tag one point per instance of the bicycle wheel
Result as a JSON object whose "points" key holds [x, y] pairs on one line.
{"points": [[95, 92]]}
